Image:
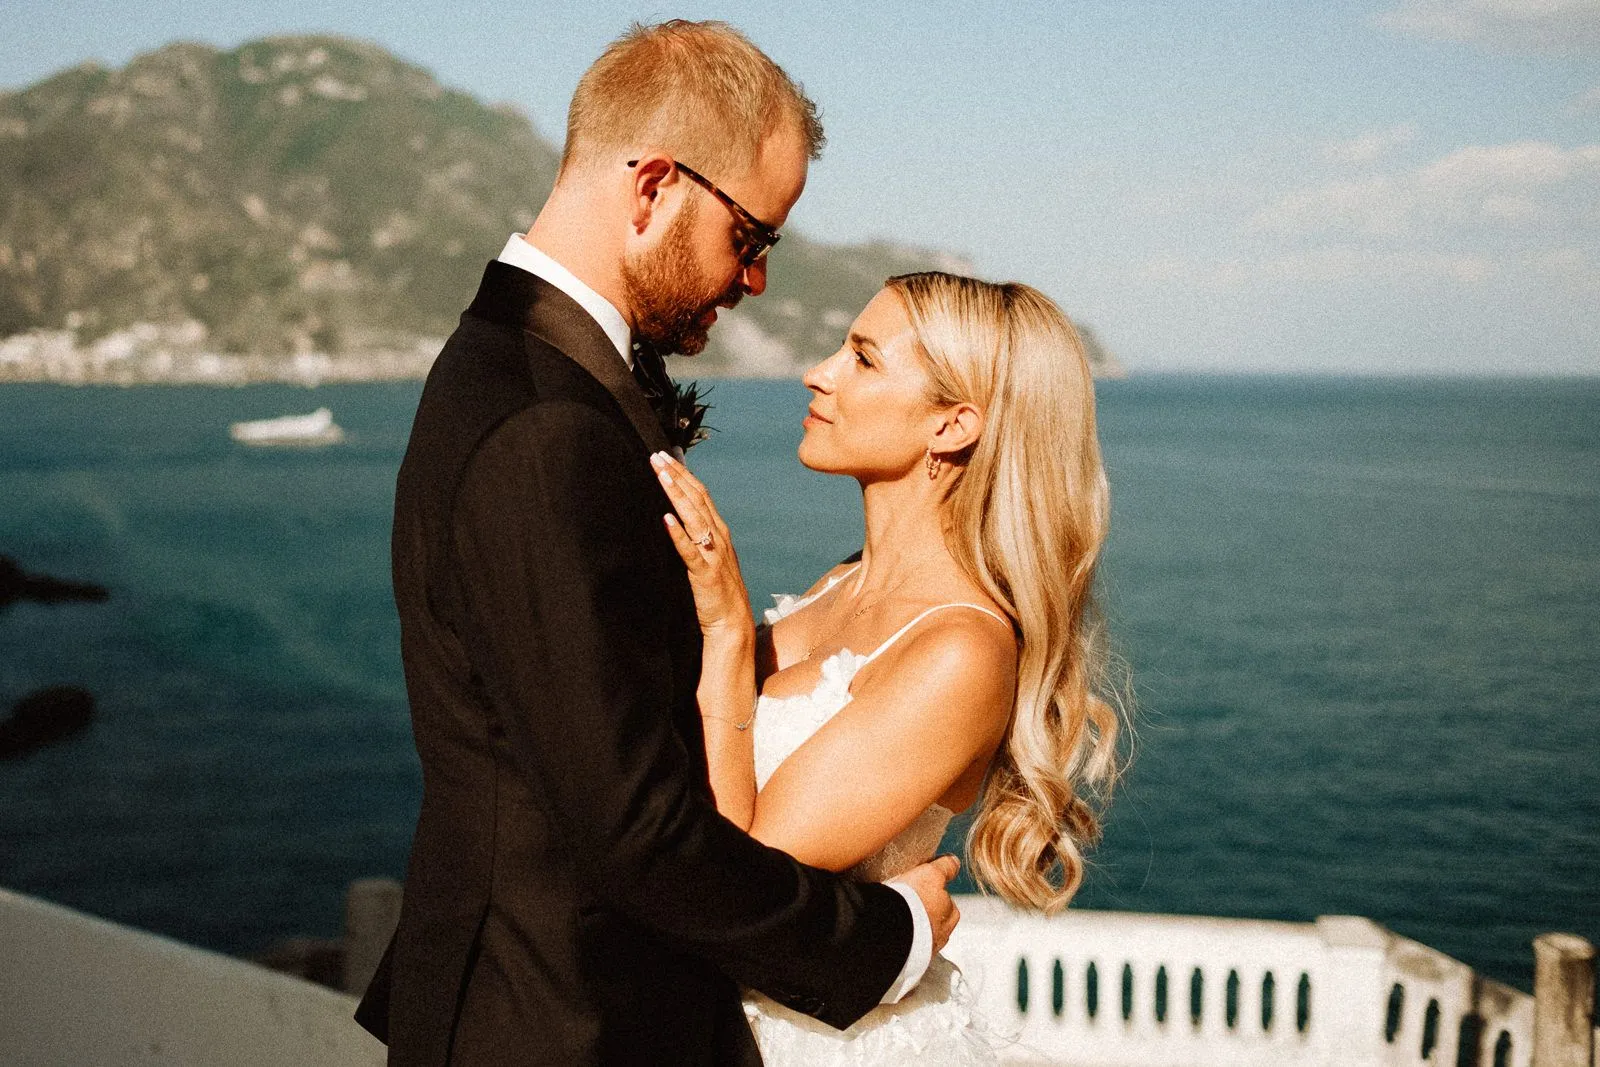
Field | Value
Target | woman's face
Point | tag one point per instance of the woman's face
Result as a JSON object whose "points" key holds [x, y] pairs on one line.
{"points": [[869, 416]]}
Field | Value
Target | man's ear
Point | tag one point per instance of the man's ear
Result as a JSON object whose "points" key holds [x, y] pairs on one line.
{"points": [[650, 174], [959, 428]]}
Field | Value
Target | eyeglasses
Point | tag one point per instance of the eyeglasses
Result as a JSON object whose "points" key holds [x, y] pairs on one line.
{"points": [[755, 238]]}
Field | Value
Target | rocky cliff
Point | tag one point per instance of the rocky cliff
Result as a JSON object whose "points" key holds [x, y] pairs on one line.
{"points": [[303, 208]]}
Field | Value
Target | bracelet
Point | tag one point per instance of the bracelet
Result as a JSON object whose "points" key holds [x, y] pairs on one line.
{"points": [[740, 726]]}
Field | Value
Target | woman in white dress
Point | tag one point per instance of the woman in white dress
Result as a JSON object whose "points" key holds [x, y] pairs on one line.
{"points": [[958, 662]]}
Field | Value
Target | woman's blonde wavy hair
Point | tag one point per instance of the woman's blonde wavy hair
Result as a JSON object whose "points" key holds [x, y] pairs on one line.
{"points": [[1026, 517]]}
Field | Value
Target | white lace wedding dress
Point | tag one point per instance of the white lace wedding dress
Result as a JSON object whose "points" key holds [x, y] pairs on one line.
{"points": [[933, 1025]]}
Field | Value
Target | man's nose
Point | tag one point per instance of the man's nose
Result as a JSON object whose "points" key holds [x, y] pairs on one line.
{"points": [[753, 278]]}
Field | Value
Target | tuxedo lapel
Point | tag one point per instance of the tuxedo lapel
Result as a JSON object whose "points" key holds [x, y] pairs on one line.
{"points": [[557, 319], [513, 296]]}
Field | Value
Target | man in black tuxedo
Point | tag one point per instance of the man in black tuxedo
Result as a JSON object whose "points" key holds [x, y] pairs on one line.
{"points": [[573, 897]]}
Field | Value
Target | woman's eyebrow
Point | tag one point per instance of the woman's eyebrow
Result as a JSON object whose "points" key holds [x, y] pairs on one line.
{"points": [[864, 342]]}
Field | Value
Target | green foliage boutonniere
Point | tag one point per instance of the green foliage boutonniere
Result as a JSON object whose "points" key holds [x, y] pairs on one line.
{"points": [[685, 413]]}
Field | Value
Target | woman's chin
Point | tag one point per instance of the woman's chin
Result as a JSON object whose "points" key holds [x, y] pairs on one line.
{"points": [[811, 458]]}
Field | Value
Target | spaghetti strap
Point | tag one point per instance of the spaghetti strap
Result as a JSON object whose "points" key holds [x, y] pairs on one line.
{"points": [[937, 607], [799, 602]]}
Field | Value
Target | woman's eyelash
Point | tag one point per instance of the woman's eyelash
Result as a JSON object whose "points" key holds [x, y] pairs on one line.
{"points": [[861, 357]]}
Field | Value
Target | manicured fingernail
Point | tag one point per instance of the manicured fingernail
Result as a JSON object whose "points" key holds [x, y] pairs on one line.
{"points": [[657, 460]]}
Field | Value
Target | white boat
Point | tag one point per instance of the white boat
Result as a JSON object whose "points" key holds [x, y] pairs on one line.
{"points": [[313, 430]]}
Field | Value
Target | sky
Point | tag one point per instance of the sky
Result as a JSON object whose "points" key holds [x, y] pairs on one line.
{"points": [[1306, 186]]}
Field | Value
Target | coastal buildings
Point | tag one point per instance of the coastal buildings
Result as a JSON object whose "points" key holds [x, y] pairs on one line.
{"points": [[148, 354]]}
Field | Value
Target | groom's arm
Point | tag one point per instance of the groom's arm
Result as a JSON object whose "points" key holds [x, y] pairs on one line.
{"points": [[921, 953], [727, 673], [552, 526]]}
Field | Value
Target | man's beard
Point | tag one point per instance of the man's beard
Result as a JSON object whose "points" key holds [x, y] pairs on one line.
{"points": [[669, 296]]}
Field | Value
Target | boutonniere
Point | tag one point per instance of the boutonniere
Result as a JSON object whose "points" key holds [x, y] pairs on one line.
{"points": [[685, 416]]}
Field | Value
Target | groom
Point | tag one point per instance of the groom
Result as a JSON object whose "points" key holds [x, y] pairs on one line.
{"points": [[573, 897]]}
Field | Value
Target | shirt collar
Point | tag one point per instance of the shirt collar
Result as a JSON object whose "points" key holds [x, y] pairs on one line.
{"points": [[519, 253]]}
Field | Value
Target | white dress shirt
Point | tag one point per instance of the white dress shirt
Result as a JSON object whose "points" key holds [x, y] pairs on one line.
{"points": [[519, 253]]}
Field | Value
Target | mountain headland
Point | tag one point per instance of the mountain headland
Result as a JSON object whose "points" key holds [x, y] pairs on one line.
{"points": [[308, 209]]}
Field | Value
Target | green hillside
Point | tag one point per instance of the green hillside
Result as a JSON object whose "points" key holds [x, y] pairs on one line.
{"points": [[303, 197]]}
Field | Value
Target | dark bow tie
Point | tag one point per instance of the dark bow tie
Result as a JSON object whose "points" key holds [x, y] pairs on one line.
{"points": [[678, 408], [650, 371]]}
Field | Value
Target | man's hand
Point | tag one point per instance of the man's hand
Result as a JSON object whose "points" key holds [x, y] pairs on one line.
{"points": [[928, 882]]}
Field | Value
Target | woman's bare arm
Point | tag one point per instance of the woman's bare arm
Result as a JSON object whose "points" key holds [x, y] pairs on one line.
{"points": [[921, 716], [727, 697], [931, 710]]}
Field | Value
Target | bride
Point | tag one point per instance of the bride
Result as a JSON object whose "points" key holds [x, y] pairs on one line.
{"points": [[955, 663]]}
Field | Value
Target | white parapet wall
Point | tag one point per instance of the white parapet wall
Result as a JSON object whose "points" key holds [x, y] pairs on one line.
{"points": [[1081, 989], [76, 991], [1120, 989]]}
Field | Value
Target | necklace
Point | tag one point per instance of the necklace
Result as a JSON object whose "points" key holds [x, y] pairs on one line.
{"points": [[862, 610]]}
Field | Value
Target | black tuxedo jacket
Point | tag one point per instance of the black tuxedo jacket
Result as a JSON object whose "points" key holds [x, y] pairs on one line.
{"points": [[573, 897]]}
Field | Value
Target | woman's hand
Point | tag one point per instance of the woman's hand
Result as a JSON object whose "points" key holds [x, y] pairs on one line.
{"points": [[727, 690], [702, 540]]}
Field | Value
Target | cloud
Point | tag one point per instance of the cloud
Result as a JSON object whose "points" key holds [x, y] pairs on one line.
{"points": [[1522, 184], [1374, 207], [1513, 209], [1370, 147], [1523, 165], [1558, 27], [1338, 263]]}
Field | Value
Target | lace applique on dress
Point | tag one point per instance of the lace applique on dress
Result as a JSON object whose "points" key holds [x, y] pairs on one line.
{"points": [[933, 1025], [783, 724]]}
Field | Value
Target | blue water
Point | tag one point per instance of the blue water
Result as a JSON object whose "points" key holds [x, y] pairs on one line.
{"points": [[1362, 618]]}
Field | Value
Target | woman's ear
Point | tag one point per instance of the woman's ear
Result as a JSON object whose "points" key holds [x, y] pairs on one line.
{"points": [[959, 429]]}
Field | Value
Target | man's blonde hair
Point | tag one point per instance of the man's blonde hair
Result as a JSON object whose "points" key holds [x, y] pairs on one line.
{"points": [[699, 91]]}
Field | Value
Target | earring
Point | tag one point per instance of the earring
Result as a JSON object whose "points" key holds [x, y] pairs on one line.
{"points": [[933, 462]]}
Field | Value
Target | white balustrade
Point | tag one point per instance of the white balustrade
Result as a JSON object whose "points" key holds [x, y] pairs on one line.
{"points": [[79, 990], [1328, 1001]]}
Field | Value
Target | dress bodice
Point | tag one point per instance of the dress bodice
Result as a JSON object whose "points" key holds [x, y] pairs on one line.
{"points": [[783, 724], [935, 1024]]}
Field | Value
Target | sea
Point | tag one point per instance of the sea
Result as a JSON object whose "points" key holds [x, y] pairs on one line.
{"points": [[1361, 616]]}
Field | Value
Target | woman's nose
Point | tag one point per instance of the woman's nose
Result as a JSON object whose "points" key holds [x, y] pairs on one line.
{"points": [[817, 376]]}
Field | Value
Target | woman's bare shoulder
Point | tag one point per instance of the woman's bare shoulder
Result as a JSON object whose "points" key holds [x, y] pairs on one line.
{"points": [[956, 657], [970, 638]]}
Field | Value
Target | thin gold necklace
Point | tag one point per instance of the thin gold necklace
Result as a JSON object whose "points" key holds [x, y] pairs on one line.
{"points": [[862, 610]]}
